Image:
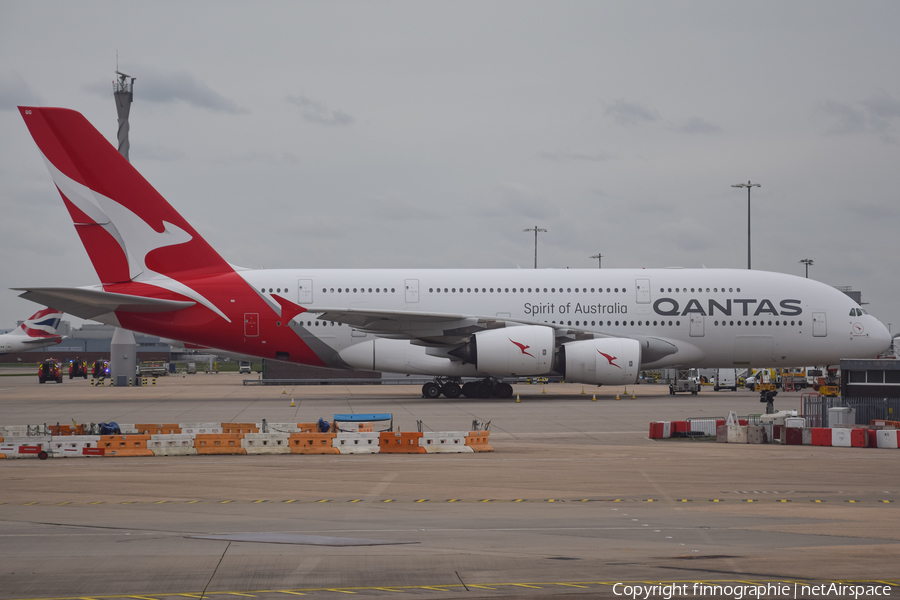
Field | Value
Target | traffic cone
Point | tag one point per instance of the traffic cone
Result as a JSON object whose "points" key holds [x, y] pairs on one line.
{"points": [[517, 397], [632, 395], [617, 395], [582, 389], [544, 390], [594, 398], [292, 402], [283, 391]]}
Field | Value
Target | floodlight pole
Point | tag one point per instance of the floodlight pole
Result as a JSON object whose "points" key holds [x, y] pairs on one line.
{"points": [[747, 185], [535, 229], [808, 262]]}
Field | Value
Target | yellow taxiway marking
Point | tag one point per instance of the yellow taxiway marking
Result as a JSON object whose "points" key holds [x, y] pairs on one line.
{"points": [[290, 592]]}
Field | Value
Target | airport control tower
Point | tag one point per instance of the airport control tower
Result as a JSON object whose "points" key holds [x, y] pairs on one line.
{"points": [[123, 350]]}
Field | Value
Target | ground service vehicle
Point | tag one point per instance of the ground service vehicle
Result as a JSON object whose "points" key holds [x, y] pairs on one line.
{"points": [[100, 369], [726, 379], [244, 367], [78, 368], [49, 371]]}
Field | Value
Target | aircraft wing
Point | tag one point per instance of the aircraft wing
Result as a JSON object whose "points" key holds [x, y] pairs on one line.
{"points": [[433, 329], [449, 329], [89, 303]]}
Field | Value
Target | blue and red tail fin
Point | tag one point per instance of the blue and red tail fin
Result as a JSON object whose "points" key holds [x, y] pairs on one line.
{"points": [[129, 230], [42, 324]]}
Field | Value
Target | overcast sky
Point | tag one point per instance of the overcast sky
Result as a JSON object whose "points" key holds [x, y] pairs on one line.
{"points": [[430, 134]]}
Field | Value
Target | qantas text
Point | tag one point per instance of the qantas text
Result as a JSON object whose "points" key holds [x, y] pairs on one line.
{"points": [[669, 307]]}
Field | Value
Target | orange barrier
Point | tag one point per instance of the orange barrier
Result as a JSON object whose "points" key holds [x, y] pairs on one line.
{"points": [[479, 441], [882, 423], [400, 442], [239, 428], [158, 428], [312, 443], [219, 443], [124, 445]]}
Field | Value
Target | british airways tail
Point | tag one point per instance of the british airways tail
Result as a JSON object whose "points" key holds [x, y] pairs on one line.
{"points": [[41, 325], [129, 230], [37, 331]]}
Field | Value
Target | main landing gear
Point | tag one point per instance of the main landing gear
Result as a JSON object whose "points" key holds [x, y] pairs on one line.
{"points": [[451, 388]]}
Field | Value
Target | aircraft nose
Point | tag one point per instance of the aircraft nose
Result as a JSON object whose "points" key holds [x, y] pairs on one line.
{"points": [[881, 337]]}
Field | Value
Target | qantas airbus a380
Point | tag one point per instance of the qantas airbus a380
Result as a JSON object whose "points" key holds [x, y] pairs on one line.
{"points": [[159, 277]]}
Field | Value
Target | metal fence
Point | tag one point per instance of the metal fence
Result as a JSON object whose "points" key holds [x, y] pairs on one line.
{"points": [[815, 409]]}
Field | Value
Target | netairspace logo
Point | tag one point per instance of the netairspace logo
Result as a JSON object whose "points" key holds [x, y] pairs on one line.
{"points": [[738, 592]]}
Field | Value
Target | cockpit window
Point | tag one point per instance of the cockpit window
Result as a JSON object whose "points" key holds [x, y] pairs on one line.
{"points": [[852, 312]]}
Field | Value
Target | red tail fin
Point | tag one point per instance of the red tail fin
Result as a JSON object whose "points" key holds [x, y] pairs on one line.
{"points": [[129, 231]]}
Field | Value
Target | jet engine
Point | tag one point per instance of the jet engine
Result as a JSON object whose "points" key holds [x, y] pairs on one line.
{"points": [[521, 350], [605, 361]]}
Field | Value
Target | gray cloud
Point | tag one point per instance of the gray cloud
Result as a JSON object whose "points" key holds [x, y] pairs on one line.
{"points": [[163, 87], [314, 111], [631, 113], [698, 125], [574, 156], [875, 114], [513, 199], [15, 91]]}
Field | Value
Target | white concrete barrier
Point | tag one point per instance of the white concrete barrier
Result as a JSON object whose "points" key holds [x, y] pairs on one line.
{"points": [[887, 438], [72, 445], [840, 437], [737, 434], [358, 443], [195, 428], [172, 444], [807, 436], [449, 442], [266, 443]]}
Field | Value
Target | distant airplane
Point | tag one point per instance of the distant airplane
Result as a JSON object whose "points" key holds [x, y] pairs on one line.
{"points": [[160, 277], [36, 332]]}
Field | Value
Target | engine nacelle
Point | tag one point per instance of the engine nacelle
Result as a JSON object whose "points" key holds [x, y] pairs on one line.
{"points": [[523, 350], [605, 361], [399, 356]]}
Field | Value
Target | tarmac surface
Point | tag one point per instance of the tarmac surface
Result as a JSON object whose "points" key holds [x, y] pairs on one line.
{"points": [[574, 499]]}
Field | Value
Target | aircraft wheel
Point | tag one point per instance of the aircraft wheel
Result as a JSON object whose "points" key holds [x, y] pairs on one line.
{"points": [[484, 389], [431, 390], [451, 390], [504, 390], [469, 389]]}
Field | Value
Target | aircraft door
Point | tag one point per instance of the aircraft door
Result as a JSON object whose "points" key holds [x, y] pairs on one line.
{"points": [[412, 290], [304, 291], [697, 325], [820, 325], [643, 290], [251, 324]]}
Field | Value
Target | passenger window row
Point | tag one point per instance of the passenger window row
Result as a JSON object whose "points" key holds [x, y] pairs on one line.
{"points": [[763, 323], [699, 289], [361, 290], [521, 290]]}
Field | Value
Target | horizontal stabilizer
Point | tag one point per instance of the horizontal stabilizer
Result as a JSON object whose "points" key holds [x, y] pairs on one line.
{"points": [[90, 303]]}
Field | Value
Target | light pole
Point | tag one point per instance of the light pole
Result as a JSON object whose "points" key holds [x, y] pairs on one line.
{"points": [[599, 258], [747, 185], [535, 229], [808, 262]]}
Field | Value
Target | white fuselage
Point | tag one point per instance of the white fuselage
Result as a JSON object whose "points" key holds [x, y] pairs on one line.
{"points": [[715, 317]]}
